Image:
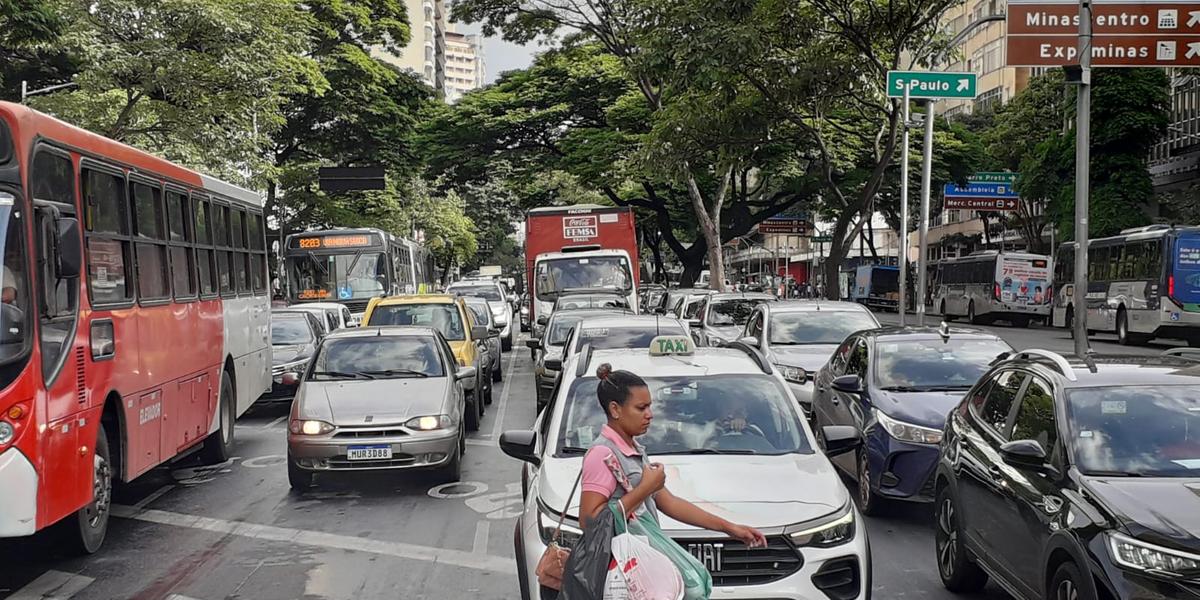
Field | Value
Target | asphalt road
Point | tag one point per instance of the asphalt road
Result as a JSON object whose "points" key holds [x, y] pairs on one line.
{"points": [[194, 532]]}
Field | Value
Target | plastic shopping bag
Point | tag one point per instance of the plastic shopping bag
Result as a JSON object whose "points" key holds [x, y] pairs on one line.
{"points": [[697, 581], [587, 568], [614, 584], [648, 573]]}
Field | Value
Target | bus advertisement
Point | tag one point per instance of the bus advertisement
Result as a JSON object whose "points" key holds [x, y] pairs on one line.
{"points": [[989, 285]]}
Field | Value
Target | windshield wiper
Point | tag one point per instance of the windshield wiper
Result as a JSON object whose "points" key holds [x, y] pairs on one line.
{"points": [[572, 450], [337, 374], [705, 451], [1103, 473], [392, 372], [925, 388]]}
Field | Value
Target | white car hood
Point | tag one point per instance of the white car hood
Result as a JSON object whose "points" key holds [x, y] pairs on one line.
{"points": [[760, 491]]}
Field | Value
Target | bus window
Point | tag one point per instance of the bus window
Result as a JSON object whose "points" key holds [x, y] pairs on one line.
{"points": [[258, 259], [183, 262], [53, 179], [150, 250], [205, 262], [107, 241]]}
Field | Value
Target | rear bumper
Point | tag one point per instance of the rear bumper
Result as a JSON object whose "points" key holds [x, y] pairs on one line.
{"points": [[18, 501]]}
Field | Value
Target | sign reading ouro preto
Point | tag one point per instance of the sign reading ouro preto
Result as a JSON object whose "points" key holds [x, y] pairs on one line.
{"points": [[931, 84], [1129, 33], [1007, 177]]}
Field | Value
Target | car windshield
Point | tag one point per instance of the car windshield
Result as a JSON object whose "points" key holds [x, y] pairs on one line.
{"points": [[487, 292], [731, 312], [1151, 431], [560, 327], [348, 276], [15, 300], [379, 357], [739, 414], [443, 317], [559, 274], [923, 364], [482, 313], [638, 336], [818, 326], [290, 331]]}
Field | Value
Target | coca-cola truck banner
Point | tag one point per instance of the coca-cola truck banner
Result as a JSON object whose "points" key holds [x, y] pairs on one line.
{"points": [[578, 228]]}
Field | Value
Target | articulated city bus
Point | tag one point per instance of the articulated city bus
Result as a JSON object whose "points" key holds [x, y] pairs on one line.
{"points": [[1142, 284], [135, 320], [988, 285], [351, 266]]}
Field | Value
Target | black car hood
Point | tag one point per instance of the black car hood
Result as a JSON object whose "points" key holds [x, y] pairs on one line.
{"points": [[283, 354], [927, 409], [1160, 510]]}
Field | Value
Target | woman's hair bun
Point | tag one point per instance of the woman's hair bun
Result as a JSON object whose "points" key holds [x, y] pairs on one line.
{"points": [[603, 371]]}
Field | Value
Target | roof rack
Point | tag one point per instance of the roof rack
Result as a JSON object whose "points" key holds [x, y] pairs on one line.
{"points": [[1055, 359], [1184, 353], [754, 354], [585, 357]]}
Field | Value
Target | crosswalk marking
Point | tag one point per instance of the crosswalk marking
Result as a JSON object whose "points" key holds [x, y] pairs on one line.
{"points": [[53, 585]]}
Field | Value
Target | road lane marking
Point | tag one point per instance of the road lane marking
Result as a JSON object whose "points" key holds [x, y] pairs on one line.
{"points": [[491, 443], [159, 493], [275, 422], [482, 528], [318, 539], [53, 585], [508, 384], [179, 597]]}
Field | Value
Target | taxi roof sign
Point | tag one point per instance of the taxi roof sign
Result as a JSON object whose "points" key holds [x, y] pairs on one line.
{"points": [[672, 345]]}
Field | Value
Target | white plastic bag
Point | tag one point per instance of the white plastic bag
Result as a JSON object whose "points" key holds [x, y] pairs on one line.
{"points": [[648, 573], [614, 584]]}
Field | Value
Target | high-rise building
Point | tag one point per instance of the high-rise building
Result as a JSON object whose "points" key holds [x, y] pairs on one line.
{"points": [[464, 64], [425, 53], [981, 51]]}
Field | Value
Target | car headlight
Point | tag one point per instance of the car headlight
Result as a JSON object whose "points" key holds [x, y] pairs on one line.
{"points": [[793, 374], [310, 427], [289, 367], [430, 423], [1138, 555], [907, 432], [7, 433], [834, 530], [548, 523]]}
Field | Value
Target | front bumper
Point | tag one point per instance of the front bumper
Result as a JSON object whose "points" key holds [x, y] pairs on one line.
{"points": [[820, 567], [18, 502], [901, 470], [409, 451]]}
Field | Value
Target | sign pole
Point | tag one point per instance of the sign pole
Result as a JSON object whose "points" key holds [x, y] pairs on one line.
{"points": [[904, 213], [923, 224], [1082, 175]]}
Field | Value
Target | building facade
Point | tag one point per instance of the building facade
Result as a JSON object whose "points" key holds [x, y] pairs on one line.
{"points": [[425, 54], [464, 64]]}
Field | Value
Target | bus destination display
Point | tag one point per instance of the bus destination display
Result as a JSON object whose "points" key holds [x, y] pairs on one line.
{"points": [[335, 241]]}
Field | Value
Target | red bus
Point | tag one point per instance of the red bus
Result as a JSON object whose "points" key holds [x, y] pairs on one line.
{"points": [[134, 320]]}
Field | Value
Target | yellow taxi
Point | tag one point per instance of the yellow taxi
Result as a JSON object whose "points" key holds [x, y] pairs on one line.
{"points": [[466, 337]]}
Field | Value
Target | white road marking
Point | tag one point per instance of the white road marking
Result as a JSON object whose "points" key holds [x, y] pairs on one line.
{"points": [[159, 493], [179, 597], [508, 378], [275, 422], [491, 443], [53, 585], [318, 539], [482, 529]]}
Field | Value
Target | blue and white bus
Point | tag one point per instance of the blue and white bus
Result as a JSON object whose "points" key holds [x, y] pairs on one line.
{"points": [[1142, 284]]}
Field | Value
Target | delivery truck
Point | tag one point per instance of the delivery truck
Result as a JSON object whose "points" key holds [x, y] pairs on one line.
{"points": [[577, 247]]}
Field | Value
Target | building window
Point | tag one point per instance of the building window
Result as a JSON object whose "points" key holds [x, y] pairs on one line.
{"points": [[989, 100]]}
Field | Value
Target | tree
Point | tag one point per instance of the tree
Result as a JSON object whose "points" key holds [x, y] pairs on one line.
{"points": [[30, 48], [449, 234], [199, 82]]}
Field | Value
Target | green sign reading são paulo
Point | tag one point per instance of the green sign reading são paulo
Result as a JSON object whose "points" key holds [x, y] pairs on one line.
{"points": [[931, 84]]}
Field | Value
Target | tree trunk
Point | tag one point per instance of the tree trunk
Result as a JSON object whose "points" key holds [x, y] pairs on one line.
{"points": [[710, 223], [693, 262]]}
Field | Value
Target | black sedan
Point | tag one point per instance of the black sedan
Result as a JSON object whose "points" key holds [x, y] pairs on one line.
{"points": [[1071, 479], [294, 339]]}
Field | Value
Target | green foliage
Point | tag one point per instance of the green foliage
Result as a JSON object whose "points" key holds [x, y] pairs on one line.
{"points": [[30, 48]]}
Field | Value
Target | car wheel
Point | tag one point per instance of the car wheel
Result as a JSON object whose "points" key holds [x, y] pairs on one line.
{"points": [[452, 472], [87, 529], [487, 399], [958, 572], [498, 372], [522, 572], [507, 343], [869, 503], [218, 447], [472, 412], [299, 479], [1068, 584]]}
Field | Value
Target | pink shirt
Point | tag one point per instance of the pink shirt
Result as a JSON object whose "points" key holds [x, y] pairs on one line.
{"points": [[596, 476]]}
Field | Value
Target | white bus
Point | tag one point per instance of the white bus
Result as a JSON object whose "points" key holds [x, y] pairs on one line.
{"points": [[989, 285], [1142, 284]]}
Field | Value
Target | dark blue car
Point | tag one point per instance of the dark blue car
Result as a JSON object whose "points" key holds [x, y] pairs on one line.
{"points": [[896, 385]]}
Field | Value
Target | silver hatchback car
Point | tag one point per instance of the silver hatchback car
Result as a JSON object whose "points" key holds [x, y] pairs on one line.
{"points": [[379, 398]]}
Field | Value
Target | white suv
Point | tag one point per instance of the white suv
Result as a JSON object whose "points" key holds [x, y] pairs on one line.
{"points": [[497, 300], [767, 474]]}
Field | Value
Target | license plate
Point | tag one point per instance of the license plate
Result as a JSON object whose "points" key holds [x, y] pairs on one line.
{"points": [[369, 452]]}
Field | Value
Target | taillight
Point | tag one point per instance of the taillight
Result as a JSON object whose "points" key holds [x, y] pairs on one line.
{"points": [[996, 290], [1049, 295], [1171, 286]]}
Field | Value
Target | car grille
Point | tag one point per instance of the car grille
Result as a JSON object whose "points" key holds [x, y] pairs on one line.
{"points": [[741, 565], [397, 460], [359, 434]]}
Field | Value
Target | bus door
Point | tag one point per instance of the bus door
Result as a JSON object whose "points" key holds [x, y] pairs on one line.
{"points": [[1183, 282]]}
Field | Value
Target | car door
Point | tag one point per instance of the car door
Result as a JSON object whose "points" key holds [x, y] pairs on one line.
{"points": [[822, 392], [845, 408], [1034, 500], [982, 499]]}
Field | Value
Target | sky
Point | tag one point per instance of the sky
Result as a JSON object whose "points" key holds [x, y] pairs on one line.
{"points": [[499, 55]]}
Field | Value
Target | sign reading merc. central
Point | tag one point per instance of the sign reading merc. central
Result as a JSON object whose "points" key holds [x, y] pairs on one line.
{"points": [[1044, 33]]}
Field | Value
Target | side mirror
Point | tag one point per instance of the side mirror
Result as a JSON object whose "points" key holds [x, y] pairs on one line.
{"points": [[848, 384], [749, 341], [465, 373], [493, 332], [521, 445], [543, 319], [533, 344], [554, 364], [69, 250], [840, 439], [479, 332], [1025, 454], [694, 323], [290, 379]]}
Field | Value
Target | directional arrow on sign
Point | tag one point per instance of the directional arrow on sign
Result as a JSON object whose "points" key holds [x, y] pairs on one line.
{"points": [[963, 85], [1193, 50], [1193, 18]]}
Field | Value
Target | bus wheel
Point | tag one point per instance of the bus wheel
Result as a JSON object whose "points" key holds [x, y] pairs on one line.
{"points": [[218, 446], [90, 523], [942, 309], [1124, 336], [971, 314], [1020, 321]]}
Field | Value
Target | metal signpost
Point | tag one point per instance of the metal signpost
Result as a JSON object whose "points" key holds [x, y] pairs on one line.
{"points": [[929, 86]]}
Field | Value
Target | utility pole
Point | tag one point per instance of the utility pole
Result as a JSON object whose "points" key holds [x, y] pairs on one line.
{"points": [[923, 224], [903, 307], [26, 92], [1083, 140]]}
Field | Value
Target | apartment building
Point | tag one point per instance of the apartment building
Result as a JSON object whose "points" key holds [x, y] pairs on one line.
{"points": [[464, 64], [425, 54]]}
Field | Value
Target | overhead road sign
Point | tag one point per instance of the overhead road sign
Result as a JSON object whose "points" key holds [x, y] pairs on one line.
{"points": [[348, 179], [785, 226], [931, 84], [1006, 177], [981, 196], [821, 239], [982, 204], [1126, 33]]}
